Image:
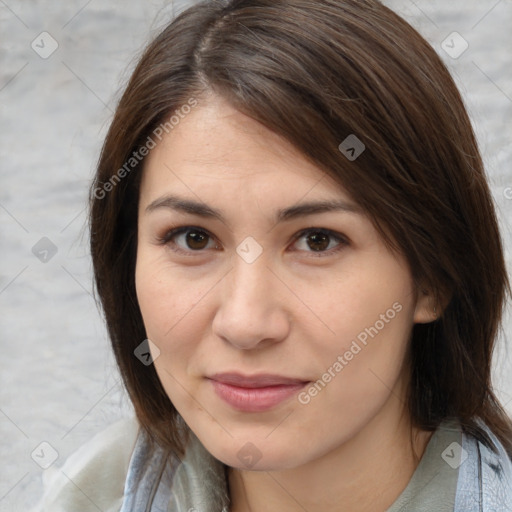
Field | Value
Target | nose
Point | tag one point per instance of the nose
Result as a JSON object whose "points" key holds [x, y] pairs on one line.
{"points": [[252, 310]]}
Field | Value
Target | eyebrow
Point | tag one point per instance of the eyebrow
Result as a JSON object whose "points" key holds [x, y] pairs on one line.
{"points": [[203, 210]]}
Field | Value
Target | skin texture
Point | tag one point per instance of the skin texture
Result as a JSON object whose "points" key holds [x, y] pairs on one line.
{"points": [[289, 312]]}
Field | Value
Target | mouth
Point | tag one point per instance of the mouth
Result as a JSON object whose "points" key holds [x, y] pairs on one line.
{"points": [[255, 393]]}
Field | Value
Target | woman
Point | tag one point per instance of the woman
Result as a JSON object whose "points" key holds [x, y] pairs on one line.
{"points": [[298, 258]]}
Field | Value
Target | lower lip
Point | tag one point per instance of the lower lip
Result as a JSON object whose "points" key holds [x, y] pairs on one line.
{"points": [[255, 399]]}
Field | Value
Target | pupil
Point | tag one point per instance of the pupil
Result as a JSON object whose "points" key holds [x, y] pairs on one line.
{"points": [[195, 240], [320, 241]]}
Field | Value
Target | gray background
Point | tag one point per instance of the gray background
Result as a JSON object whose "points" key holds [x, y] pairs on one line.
{"points": [[58, 381]]}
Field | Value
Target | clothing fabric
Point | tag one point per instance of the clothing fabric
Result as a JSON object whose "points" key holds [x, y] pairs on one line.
{"points": [[116, 472], [93, 477], [434, 483]]}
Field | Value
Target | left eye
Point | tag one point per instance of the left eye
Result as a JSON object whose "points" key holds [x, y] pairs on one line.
{"points": [[320, 241]]}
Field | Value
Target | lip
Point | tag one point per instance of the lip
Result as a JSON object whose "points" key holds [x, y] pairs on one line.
{"points": [[254, 393]]}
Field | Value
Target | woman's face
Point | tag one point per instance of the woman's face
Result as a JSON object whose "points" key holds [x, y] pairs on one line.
{"points": [[281, 327]]}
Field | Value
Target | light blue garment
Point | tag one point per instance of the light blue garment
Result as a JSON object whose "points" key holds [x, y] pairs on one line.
{"points": [[485, 478], [198, 483]]}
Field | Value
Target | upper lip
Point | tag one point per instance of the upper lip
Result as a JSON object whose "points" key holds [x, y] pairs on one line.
{"points": [[255, 381]]}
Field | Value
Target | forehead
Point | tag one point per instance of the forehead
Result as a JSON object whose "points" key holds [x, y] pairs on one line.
{"points": [[216, 146]]}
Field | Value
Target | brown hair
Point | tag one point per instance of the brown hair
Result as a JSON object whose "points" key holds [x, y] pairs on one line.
{"points": [[316, 72]]}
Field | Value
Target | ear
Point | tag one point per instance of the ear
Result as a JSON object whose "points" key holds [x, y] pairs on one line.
{"points": [[427, 309]]}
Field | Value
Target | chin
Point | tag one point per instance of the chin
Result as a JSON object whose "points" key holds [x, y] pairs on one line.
{"points": [[253, 454]]}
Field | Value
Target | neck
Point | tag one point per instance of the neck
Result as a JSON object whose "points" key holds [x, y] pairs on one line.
{"points": [[366, 473]]}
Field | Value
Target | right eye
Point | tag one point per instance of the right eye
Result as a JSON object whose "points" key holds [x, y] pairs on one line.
{"points": [[187, 240]]}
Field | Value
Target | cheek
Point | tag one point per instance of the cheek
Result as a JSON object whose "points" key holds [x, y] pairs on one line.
{"points": [[168, 302], [166, 296], [370, 317], [370, 300], [360, 371]]}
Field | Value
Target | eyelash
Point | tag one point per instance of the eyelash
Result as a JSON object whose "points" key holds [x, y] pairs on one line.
{"points": [[167, 239]]}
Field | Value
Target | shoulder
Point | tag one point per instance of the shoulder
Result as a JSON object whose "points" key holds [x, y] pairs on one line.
{"points": [[157, 477], [485, 475], [93, 477]]}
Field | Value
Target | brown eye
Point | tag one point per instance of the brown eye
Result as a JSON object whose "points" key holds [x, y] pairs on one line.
{"points": [[196, 239], [318, 241], [186, 240]]}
